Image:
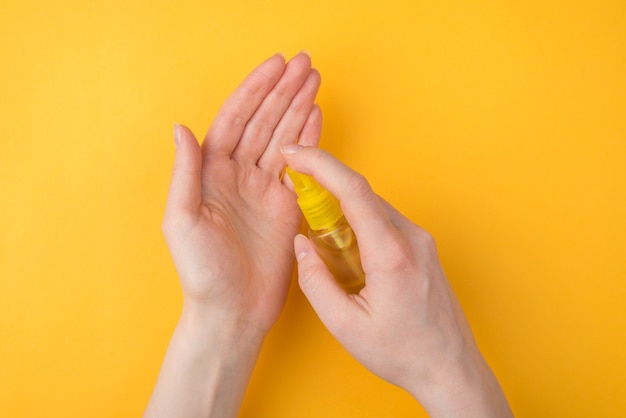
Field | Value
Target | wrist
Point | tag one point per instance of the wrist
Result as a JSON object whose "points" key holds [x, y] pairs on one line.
{"points": [[225, 334], [223, 353], [463, 386], [207, 367]]}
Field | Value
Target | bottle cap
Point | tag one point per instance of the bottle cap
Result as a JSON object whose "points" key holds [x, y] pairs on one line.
{"points": [[320, 208]]}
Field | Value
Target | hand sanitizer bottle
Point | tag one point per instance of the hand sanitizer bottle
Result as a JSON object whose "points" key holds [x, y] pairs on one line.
{"points": [[330, 232]]}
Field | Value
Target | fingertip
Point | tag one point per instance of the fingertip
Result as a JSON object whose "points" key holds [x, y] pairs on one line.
{"points": [[311, 269], [182, 135], [314, 278], [303, 157], [319, 286], [185, 184], [278, 56], [301, 247], [177, 134], [290, 149], [316, 74], [317, 110], [304, 54]]}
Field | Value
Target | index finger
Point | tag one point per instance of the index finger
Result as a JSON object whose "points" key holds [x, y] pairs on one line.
{"points": [[361, 206]]}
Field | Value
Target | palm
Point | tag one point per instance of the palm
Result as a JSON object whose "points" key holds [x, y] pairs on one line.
{"points": [[248, 220], [230, 220]]}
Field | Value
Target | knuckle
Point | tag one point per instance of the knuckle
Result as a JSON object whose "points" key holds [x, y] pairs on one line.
{"points": [[297, 106], [234, 118], [358, 186], [302, 102], [317, 156], [427, 241], [400, 260], [263, 125], [282, 91], [320, 154], [406, 256]]}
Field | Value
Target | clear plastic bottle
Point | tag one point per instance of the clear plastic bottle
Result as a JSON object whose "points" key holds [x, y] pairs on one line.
{"points": [[330, 232]]}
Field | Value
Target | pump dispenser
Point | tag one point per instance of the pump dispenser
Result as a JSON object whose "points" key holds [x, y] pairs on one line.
{"points": [[330, 232]]}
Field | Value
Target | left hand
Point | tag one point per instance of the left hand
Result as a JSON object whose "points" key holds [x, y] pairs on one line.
{"points": [[229, 225], [230, 221]]}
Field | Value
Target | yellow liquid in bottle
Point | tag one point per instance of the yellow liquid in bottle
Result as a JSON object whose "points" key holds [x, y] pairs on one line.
{"points": [[340, 252]]}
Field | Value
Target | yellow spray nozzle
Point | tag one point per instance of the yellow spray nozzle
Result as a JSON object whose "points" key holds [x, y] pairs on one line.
{"points": [[320, 208]]}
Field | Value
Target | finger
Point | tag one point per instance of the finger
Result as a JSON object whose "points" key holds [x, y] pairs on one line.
{"points": [[184, 194], [328, 299], [414, 233], [360, 204], [231, 120], [291, 124], [260, 128], [312, 129], [310, 136], [397, 219]]}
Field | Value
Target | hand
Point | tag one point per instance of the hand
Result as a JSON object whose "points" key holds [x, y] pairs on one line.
{"points": [[406, 325], [229, 225], [230, 220]]}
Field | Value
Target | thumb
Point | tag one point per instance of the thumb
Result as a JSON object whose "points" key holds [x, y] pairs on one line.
{"points": [[329, 300], [184, 194]]}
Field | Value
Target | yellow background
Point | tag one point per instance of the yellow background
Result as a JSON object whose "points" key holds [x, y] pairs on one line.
{"points": [[498, 126]]}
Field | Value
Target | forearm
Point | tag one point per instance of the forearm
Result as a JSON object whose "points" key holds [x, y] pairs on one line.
{"points": [[205, 371], [465, 387]]}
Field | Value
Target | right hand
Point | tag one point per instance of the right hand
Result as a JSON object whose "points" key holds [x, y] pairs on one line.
{"points": [[406, 325]]}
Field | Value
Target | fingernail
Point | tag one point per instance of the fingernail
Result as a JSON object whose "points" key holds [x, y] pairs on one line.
{"points": [[300, 246], [281, 54], [289, 149], [306, 52], [177, 135]]}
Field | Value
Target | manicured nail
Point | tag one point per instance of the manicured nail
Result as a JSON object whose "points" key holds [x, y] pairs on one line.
{"points": [[282, 54], [289, 149], [177, 134], [306, 52], [300, 245]]}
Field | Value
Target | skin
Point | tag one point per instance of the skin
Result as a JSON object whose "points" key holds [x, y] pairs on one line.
{"points": [[230, 224], [406, 325]]}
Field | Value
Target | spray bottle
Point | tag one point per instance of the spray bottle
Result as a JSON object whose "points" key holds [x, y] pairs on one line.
{"points": [[330, 232]]}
